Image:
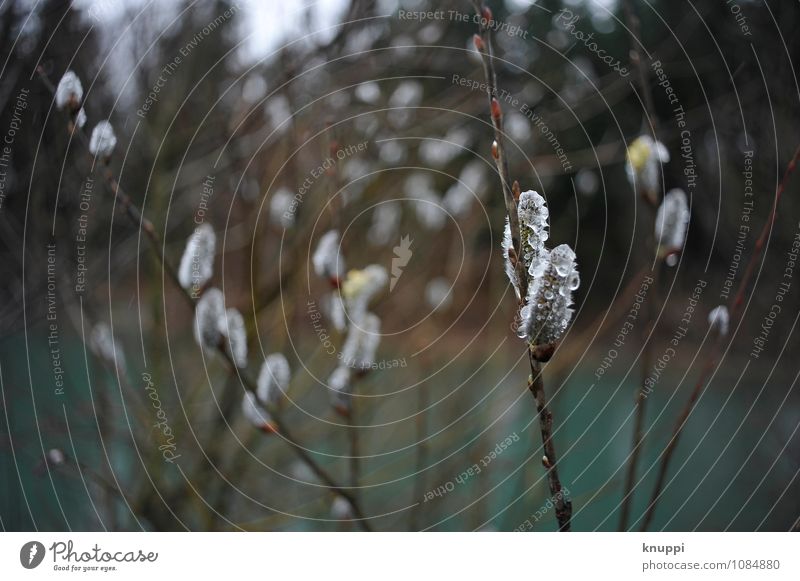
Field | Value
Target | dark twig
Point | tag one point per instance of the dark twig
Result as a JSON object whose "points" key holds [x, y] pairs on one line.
{"points": [[549, 460], [639, 64]]}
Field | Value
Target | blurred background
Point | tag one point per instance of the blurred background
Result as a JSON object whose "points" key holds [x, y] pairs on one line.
{"points": [[225, 113]]}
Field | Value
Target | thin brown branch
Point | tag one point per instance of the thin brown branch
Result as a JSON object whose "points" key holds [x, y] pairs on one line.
{"points": [[136, 217], [638, 62], [422, 455], [641, 411], [711, 363], [483, 44]]}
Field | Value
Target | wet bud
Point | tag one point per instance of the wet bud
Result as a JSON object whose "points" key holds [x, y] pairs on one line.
{"points": [[495, 150], [515, 189], [497, 113], [273, 379], [478, 41], [672, 222], [328, 260], [340, 384], [231, 325], [197, 263], [719, 319], [257, 415], [208, 312], [69, 92], [644, 158], [56, 456], [103, 141], [547, 311]]}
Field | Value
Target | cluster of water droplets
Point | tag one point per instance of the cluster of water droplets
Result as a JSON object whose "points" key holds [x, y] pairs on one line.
{"points": [[534, 230], [548, 307], [552, 274]]}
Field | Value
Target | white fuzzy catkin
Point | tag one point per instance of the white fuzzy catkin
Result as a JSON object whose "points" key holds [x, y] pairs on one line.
{"points": [[280, 208], [360, 287], [341, 509], [719, 319], [340, 384], [208, 313], [439, 294], [473, 176], [69, 90], [232, 327], [459, 197], [385, 220], [429, 210], [334, 309], [102, 343], [273, 379], [672, 221], [643, 162], [547, 313], [254, 413], [80, 118], [197, 262], [361, 344], [458, 200], [327, 259], [56, 456], [369, 92], [103, 141]]}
